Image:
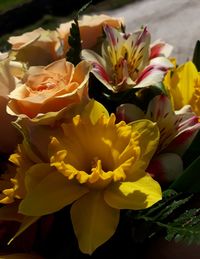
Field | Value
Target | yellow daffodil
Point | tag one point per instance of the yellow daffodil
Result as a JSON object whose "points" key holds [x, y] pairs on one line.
{"points": [[98, 166], [183, 85]]}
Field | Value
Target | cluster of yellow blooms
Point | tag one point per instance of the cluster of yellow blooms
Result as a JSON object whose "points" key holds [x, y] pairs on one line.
{"points": [[67, 149]]}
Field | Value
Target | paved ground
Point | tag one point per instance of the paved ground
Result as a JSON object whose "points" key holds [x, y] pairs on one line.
{"points": [[174, 21]]}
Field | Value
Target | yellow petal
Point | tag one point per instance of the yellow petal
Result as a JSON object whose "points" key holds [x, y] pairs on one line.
{"points": [[140, 194], [27, 222], [51, 194], [35, 174], [94, 110], [94, 221], [81, 72], [188, 75], [148, 140]]}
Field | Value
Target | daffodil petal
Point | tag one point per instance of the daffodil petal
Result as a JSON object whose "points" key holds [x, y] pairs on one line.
{"points": [[27, 222], [36, 174], [94, 110], [148, 138], [94, 221], [187, 74], [137, 195], [52, 194]]}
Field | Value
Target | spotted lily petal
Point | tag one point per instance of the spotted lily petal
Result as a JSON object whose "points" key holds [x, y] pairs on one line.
{"points": [[160, 48], [154, 72], [99, 66], [187, 131], [177, 128], [125, 61], [137, 47]]}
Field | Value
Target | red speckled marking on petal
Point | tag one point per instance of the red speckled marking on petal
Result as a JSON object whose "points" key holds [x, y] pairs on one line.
{"points": [[155, 50], [100, 70], [109, 33], [150, 69]]}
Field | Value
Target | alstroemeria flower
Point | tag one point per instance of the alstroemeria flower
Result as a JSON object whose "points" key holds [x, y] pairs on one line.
{"points": [[128, 61], [98, 166], [38, 47], [49, 89], [88, 25], [177, 131], [183, 85]]}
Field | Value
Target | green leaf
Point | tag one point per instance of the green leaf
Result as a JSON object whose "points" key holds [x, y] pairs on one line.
{"points": [[189, 181], [74, 39], [186, 228], [196, 55], [192, 152], [174, 214], [84, 7]]}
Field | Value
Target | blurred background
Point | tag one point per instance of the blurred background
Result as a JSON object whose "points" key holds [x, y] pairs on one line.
{"points": [[176, 22]]}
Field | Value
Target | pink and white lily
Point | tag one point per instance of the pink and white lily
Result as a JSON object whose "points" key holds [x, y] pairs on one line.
{"points": [[177, 131], [128, 60]]}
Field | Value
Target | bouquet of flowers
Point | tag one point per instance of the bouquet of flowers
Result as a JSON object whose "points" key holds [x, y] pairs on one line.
{"points": [[99, 142]]}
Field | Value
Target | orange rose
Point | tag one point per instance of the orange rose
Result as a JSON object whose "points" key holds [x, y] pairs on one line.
{"points": [[49, 89], [38, 47], [90, 29]]}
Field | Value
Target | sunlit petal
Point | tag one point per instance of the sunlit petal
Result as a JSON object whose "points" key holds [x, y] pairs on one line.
{"points": [[97, 222], [50, 195], [140, 194]]}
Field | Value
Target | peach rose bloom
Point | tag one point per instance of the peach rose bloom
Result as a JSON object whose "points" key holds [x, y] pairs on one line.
{"points": [[38, 47], [91, 28], [49, 89], [9, 136]]}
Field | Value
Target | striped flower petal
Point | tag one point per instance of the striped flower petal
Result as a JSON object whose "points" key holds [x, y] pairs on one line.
{"points": [[125, 61]]}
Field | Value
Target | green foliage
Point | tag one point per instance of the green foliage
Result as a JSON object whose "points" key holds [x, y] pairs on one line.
{"points": [[9, 4], [185, 228], [196, 55], [74, 39], [174, 216], [189, 181]]}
